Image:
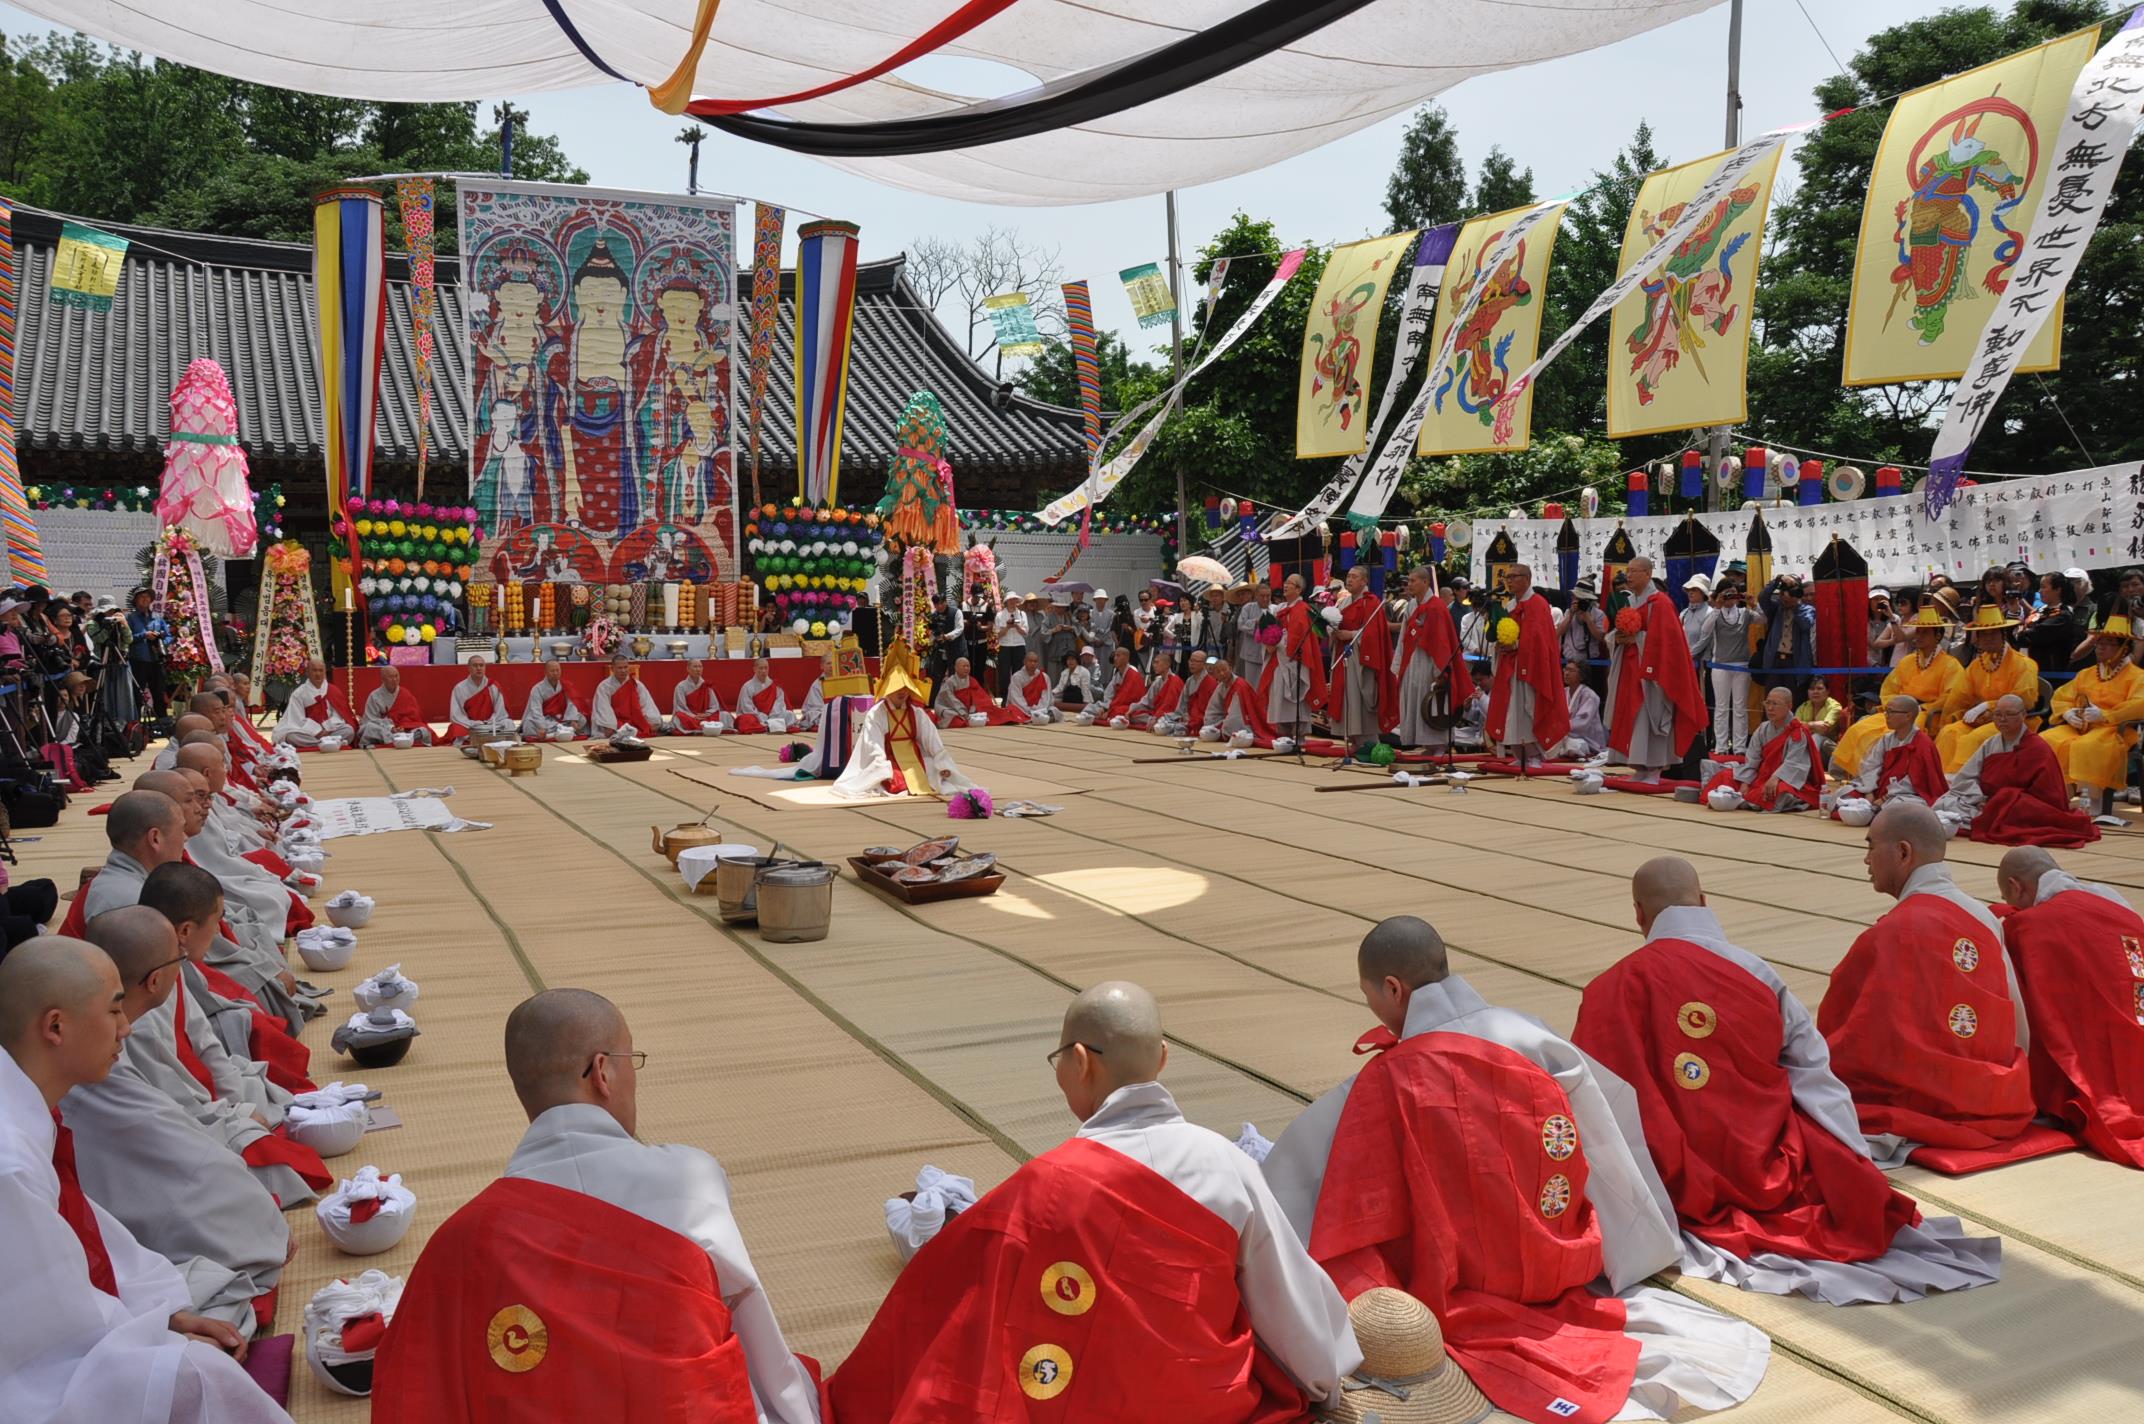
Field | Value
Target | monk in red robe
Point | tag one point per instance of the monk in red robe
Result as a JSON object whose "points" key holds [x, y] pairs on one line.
{"points": [[391, 710], [1236, 713], [1140, 1271], [2079, 952], [1904, 761], [695, 706], [1126, 686], [1655, 704], [960, 698], [1294, 678], [2010, 791], [1923, 1015], [1756, 1139], [1362, 690], [1527, 710], [1781, 770], [1429, 653]]}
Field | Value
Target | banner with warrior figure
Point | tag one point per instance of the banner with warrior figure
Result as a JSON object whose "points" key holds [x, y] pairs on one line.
{"points": [[1678, 348], [1340, 347], [1496, 303], [1960, 170], [602, 330]]}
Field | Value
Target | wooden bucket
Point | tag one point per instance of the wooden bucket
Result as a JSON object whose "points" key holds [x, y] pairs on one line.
{"points": [[796, 902], [736, 890]]}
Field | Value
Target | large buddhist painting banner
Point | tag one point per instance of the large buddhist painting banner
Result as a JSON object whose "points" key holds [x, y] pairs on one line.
{"points": [[1678, 348], [1340, 347], [1957, 179], [601, 328], [1497, 339]]}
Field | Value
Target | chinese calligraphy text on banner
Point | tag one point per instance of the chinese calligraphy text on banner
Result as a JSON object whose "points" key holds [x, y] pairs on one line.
{"points": [[1679, 345], [85, 268], [2084, 519], [1959, 172], [1149, 293], [1012, 321], [1339, 361], [601, 329], [1496, 342]]}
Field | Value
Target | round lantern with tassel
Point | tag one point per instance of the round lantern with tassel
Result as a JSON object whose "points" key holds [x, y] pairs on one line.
{"points": [[1589, 502]]}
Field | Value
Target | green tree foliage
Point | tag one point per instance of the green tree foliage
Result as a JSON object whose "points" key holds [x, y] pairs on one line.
{"points": [[1051, 376], [106, 134], [1501, 184], [1428, 185], [1798, 353]]}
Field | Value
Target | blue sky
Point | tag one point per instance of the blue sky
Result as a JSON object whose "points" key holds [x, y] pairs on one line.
{"points": [[1564, 119]]}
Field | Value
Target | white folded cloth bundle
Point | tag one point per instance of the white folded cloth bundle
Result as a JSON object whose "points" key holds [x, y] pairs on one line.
{"points": [[374, 1027], [1252, 1143], [352, 1302], [330, 1120], [326, 948], [367, 1213], [939, 1197], [386, 990]]}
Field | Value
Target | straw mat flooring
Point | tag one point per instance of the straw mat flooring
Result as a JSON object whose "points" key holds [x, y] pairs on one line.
{"points": [[824, 1074]]}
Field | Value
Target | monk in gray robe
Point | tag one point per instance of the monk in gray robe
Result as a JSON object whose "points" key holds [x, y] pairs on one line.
{"points": [[390, 712]]}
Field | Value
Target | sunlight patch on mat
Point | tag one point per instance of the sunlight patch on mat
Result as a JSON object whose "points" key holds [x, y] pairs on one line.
{"points": [[1134, 889], [1006, 902]]}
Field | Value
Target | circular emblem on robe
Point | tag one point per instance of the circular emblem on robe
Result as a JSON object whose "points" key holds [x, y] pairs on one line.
{"points": [[1963, 1021], [518, 1339], [1555, 1196], [1559, 1136], [1691, 1071], [1966, 955], [1045, 1372], [2134, 948], [2140, 1003], [1696, 1020], [1068, 1289]]}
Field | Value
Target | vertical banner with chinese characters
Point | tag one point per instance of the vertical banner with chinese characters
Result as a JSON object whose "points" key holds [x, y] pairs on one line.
{"points": [[85, 268], [414, 196], [1339, 361], [1962, 165], [2088, 153], [1012, 322], [1488, 329], [1678, 346], [767, 224], [1151, 300]]}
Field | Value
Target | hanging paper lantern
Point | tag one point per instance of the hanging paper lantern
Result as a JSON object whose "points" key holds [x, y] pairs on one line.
{"points": [[1756, 464], [1213, 512], [1552, 511], [1693, 475], [1436, 542], [1812, 482], [1636, 488], [1888, 479], [1347, 550], [1246, 522]]}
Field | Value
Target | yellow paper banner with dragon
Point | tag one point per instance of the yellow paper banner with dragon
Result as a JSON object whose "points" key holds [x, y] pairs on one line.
{"points": [[1678, 346], [1499, 340], [1957, 179], [1340, 347]]}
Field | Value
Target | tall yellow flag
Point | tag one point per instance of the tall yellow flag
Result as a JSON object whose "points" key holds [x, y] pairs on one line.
{"points": [[1678, 346], [1332, 395], [1499, 340], [1957, 178]]}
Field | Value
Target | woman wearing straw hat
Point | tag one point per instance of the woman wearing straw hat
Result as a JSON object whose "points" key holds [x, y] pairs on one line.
{"points": [[2094, 713], [1997, 670], [1928, 675]]}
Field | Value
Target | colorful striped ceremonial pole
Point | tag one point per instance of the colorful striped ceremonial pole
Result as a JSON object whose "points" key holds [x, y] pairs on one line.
{"points": [[1086, 362], [350, 302], [826, 310], [26, 559]]}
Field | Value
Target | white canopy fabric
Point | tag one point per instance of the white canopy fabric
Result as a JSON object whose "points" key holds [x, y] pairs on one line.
{"points": [[1377, 62]]}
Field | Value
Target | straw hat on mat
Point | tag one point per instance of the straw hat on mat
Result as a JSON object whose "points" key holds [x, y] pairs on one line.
{"points": [[1406, 1378]]}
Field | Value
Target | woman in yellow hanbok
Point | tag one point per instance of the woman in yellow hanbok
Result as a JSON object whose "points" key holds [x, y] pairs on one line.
{"points": [[1928, 675], [2089, 731], [1997, 670]]}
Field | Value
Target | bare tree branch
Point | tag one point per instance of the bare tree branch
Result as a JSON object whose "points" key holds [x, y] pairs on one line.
{"points": [[997, 261]]}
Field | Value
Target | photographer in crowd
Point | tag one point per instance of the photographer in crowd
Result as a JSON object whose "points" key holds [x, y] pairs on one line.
{"points": [[146, 654]]}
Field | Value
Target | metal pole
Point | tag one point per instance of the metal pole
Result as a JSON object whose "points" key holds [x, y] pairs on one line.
{"points": [[691, 139], [1716, 444], [1176, 367]]}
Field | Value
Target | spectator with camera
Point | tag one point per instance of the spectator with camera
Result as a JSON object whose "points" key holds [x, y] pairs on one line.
{"points": [[1730, 656], [1790, 633]]}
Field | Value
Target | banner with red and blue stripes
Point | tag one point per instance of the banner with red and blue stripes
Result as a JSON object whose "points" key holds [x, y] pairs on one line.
{"points": [[350, 301], [826, 312]]}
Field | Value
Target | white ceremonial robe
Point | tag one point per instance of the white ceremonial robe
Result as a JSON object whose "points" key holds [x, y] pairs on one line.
{"points": [[1889, 1149], [1871, 768], [499, 724], [376, 726], [240, 826], [581, 1148], [536, 726], [1689, 1356], [308, 716], [71, 1353], [1292, 1305], [1794, 767], [870, 768], [254, 964], [603, 717], [1935, 1256], [183, 1193]]}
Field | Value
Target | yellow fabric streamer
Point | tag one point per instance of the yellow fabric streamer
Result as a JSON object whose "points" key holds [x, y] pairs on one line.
{"points": [[674, 93]]}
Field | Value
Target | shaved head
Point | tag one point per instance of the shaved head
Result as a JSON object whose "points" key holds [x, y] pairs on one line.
{"points": [[1913, 823], [1663, 881], [168, 783], [137, 938], [551, 1040], [46, 973], [1903, 704], [203, 758], [1404, 948], [201, 737], [189, 723], [204, 703], [1123, 1021], [136, 813], [2018, 877]]}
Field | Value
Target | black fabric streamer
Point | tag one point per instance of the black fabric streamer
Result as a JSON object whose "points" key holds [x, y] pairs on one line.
{"points": [[1254, 34]]}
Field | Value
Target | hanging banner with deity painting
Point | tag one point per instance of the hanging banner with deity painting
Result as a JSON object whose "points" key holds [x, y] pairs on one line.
{"points": [[1488, 329], [1959, 172], [602, 332], [1339, 361], [1678, 346]]}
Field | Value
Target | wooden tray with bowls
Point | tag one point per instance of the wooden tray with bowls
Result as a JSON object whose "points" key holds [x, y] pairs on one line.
{"points": [[927, 873]]}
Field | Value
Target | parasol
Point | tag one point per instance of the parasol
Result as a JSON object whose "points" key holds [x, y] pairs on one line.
{"points": [[1200, 568]]}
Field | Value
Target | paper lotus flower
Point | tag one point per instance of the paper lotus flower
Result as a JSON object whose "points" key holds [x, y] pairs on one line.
{"points": [[972, 805], [1630, 620], [1507, 632], [204, 489]]}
